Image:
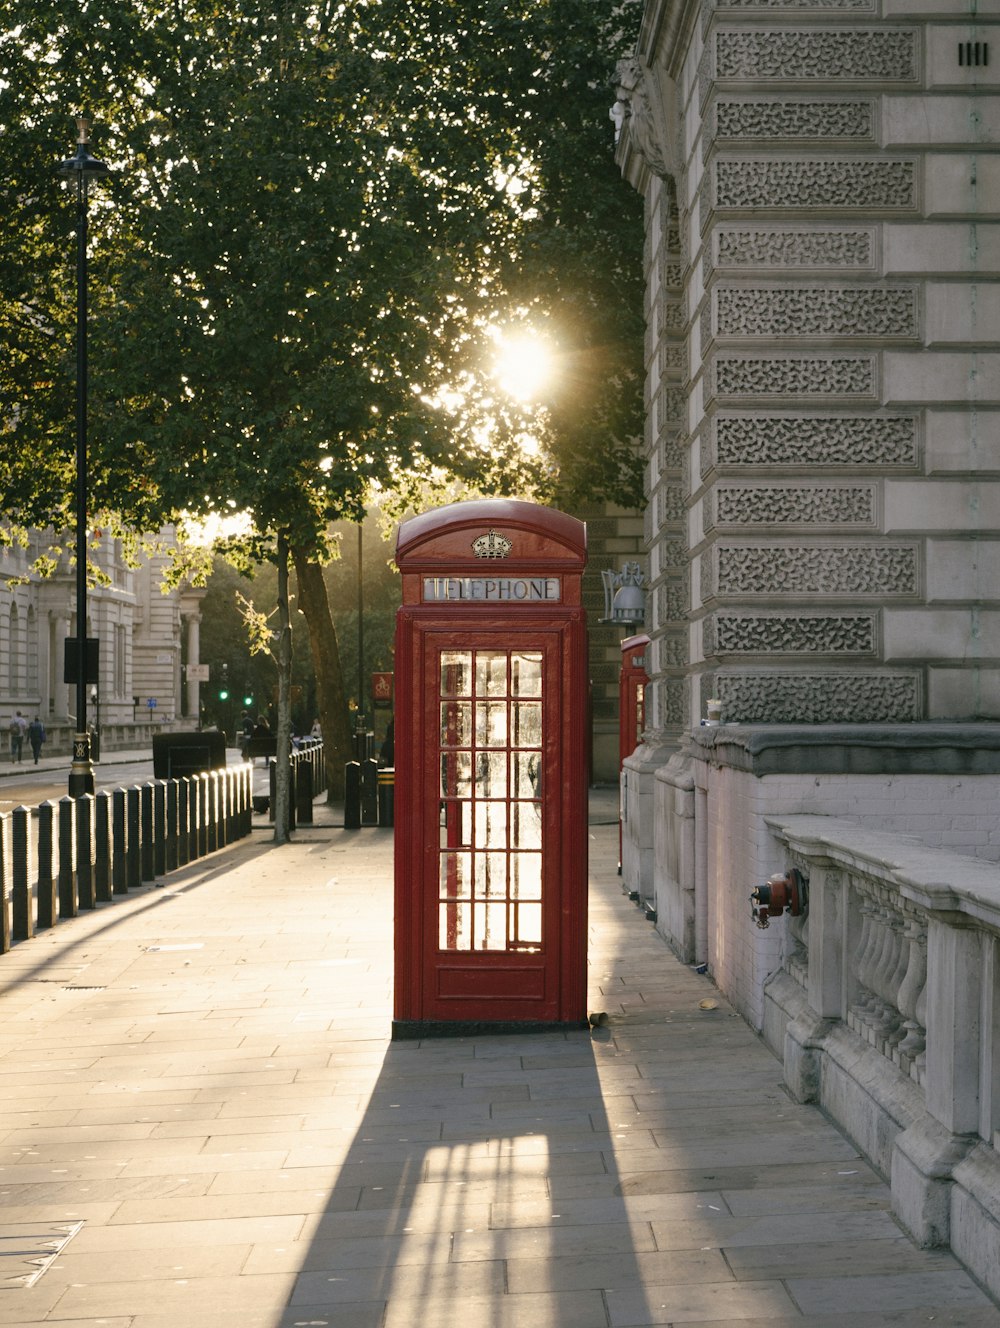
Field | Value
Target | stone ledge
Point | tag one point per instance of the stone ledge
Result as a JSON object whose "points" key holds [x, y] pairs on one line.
{"points": [[851, 749]]}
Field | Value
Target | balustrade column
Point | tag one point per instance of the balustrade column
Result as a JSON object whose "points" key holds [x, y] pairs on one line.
{"points": [[955, 974], [827, 940]]}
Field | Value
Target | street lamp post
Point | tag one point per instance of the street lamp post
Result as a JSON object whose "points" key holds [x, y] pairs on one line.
{"points": [[83, 168]]}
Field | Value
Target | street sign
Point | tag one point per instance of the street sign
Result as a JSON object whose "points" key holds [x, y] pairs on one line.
{"points": [[197, 673]]}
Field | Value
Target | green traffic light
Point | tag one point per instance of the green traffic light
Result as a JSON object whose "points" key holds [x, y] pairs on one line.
{"points": [[248, 701], [223, 695]]}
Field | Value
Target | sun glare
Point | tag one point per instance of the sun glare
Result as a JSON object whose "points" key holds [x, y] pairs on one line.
{"points": [[523, 365]]}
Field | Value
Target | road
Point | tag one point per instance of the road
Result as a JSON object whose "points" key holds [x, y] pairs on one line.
{"points": [[50, 781]]}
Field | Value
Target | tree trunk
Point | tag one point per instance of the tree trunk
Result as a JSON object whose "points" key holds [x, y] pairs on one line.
{"points": [[282, 781], [330, 699]]}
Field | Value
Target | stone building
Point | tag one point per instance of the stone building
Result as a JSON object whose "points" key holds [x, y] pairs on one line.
{"points": [[822, 194], [147, 639]]}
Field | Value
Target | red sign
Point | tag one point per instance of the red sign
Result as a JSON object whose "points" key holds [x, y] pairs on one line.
{"points": [[382, 689]]}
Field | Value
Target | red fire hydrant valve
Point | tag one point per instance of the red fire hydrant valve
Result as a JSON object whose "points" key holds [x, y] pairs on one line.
{"points": [[781, 891]]}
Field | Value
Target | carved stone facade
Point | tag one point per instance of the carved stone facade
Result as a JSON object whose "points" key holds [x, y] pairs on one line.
{"points": [[824, 359]]}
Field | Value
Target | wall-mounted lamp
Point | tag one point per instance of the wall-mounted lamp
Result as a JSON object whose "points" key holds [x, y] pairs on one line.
{"points": [[624, 597]]}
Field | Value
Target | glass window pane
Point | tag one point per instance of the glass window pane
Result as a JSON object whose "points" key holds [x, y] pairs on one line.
{"points": [[526, 674], [491, 774], [491, 875], [455, 926], [525, 775], [456, 723], [491, 926], [526, 724], [525, 876], [491, 724], [456, 672], [526, 825], [455, 876], [491, 673], [456, 774], [526, 924], [490, 827], [456, 825]]}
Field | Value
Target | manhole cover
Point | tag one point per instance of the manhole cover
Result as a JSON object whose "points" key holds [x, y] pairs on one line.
{"points": [[27, 1249]]}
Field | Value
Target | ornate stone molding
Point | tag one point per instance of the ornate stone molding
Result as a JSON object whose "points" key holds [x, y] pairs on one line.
{"points": [[819, 697], [882, 441], [793, 4], [888, 184], [795, 118], [887, 55], [788, 504], [855, 312], [646, 112], [788, 247], [790, 634], [794, 375], [865, 571]]}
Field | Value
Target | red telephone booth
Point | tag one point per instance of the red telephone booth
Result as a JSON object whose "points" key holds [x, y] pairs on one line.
{"points": [[632, 682], [491, 775]]}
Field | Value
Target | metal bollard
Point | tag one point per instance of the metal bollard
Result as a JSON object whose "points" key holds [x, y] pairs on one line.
{"points": [[23, 923], [119, 837], [386, 796], [369, 791], [46, 881], [5, 938], [67, 875], [352, 795], [86, 891], [304, 791], [133, 857], [146, 833], [102, 847]]}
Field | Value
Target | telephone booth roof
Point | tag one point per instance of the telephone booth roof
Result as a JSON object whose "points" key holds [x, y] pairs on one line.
{"points": [[543, 535]]}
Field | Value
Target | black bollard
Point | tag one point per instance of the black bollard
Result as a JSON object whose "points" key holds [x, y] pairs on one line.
{"points": [[102, 847], [67, 872], [23, 926], [386, 796], [133, 821], [304, 791], [119, 837], [46, 880], [86, 890], [352, 795], [369, 791]]}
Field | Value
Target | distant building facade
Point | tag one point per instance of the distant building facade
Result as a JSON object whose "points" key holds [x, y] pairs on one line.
{"points": [[146, 641]]}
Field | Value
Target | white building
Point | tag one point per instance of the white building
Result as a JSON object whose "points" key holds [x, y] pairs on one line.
{"points": [[146, 641]]}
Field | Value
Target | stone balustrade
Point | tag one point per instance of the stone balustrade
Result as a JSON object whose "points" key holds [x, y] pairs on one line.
{"points": [[886, 1011]]}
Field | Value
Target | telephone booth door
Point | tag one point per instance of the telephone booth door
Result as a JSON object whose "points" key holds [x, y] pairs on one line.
{"points": [[491, 870]]}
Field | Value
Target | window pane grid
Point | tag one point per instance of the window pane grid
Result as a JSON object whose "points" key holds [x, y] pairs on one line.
{"points": [[490, 762]]}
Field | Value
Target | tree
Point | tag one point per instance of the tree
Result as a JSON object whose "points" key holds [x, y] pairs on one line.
{"points": [[321, 213]]}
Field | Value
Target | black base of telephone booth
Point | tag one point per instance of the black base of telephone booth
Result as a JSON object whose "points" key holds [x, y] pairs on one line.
{"points": [[408, 1029]]}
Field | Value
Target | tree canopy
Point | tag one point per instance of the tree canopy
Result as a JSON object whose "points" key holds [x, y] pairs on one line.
{"points": [[318, 213]]}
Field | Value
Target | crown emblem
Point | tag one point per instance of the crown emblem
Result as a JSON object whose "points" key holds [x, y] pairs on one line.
{"points": [[491, 545]]}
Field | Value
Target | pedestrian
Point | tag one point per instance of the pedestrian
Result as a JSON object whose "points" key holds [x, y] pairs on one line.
{"points": [[18, 726], [36, 736]]}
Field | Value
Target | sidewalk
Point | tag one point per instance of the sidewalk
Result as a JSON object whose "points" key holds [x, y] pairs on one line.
{"points": [[202, 1107]]}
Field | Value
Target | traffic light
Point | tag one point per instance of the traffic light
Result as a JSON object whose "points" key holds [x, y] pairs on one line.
{"points": [[248, 701], [223, 693], [224, 683]]}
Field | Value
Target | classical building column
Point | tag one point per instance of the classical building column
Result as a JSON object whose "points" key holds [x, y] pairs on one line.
{"points": [[57, 692]]}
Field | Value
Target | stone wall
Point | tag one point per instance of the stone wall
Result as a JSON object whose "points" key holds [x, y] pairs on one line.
{"points": [[823, 358]]}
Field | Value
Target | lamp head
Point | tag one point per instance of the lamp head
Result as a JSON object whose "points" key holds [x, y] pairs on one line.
{"points": [[83, 166]]}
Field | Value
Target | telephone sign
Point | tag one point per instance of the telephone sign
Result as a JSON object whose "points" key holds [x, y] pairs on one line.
{"points": [[491, 771]]}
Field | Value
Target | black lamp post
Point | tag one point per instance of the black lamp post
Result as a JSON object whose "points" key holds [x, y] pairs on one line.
{"points": [[83, 168]]}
